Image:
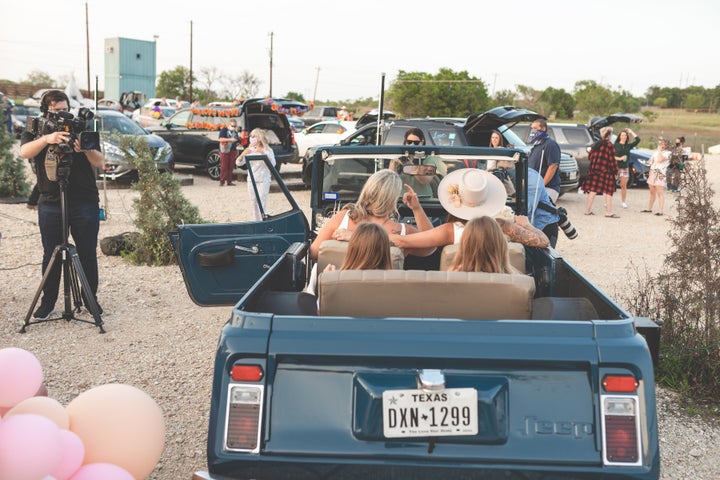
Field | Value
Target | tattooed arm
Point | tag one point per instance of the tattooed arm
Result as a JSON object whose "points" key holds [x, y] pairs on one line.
{"points": [[522, 231]]}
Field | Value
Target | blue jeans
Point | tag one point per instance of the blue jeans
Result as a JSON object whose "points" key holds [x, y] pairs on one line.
{"points": [[84, 225]]}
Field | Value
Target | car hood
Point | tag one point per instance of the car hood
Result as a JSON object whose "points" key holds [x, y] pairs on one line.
{"points": [[596, 123], [498, 116]]}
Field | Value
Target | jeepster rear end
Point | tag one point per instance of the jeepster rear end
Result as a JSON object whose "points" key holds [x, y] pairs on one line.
{"points": [[417, 373]]}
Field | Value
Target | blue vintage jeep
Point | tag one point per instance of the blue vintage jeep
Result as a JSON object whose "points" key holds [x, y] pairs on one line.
{"points": [[415, 373]]}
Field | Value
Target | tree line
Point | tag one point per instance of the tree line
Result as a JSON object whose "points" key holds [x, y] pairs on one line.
{"points": [[447, 93]]}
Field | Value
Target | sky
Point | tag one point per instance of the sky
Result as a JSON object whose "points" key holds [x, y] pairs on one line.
{"points": [[332, 50]]}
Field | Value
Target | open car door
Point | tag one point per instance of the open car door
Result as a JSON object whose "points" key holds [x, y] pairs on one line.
{"points": [[220, 262]]}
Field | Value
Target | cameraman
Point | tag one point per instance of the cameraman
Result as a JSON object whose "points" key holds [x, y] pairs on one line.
{"points": [[82, 207]]}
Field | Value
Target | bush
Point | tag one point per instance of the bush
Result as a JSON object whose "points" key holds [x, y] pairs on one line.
{"points": [[160, 207], [685, 293], [12, 170]]}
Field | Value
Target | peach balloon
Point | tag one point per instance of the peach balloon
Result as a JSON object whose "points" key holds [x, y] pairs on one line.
{"points": [[121, 425], [45, 406]]}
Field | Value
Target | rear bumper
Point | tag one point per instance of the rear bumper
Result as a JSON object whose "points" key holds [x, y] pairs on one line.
{"points": [[315, 469]]}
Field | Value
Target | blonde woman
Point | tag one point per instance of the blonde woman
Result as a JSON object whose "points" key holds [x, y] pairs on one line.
{"points": [[377, 203], [659, 162], [483, 248], [368, 249], [261, 173]]}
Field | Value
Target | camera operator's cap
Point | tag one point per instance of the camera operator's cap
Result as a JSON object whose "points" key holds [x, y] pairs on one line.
{"points": [[470, 192]]}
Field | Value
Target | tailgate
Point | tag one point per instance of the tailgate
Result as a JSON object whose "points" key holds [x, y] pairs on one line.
{"points": [[534, 383]]}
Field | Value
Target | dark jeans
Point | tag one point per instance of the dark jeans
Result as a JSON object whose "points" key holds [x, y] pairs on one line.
{"points": [[84, 222], [551, 230]]}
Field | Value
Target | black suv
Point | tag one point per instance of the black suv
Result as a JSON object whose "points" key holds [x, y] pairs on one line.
{"points": [[475, 131], [193, 133], [576, 138]]}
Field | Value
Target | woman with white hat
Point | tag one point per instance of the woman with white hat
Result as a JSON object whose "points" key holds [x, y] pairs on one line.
{"points": [[470, 193]]}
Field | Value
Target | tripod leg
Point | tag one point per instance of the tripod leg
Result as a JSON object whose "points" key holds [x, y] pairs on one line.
{"points": [[92, 305], [50, 265], [75, 288]]}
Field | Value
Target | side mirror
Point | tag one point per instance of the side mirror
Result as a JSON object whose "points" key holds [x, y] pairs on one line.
{"points": [[419, 169]]}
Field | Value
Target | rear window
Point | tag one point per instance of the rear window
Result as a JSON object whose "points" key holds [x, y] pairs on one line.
{"points": [[577, 135]]}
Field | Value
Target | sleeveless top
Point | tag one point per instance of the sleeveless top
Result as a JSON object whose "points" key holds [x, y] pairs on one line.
{"points": [[346, 221], [458, 228]]}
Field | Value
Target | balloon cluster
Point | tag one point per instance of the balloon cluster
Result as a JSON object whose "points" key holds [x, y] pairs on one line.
{"points": [[110, 432]]}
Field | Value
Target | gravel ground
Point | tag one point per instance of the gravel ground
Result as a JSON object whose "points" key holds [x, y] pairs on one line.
{"points": [[161, 342]]}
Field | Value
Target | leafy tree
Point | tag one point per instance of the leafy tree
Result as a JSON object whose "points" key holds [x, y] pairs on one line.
{"points": [[558, 101], [695, 100], [295, 96], [661, 102], [528, 97], [174, 83], [592, 98], [160, 207], [245, 85], [37, 77], [504, 97], [12, 170], [446, 94]]}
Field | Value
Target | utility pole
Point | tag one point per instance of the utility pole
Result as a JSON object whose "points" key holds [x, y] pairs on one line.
{"points": [[493, 89], [271, 61], [317, 77], [87, 44], [191, 78]]}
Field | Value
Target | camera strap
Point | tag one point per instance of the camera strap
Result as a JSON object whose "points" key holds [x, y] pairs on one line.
{"points": [[51, 163]]}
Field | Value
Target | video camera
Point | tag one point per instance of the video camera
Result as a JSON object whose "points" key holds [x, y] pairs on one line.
{"points": [[52, 122]]}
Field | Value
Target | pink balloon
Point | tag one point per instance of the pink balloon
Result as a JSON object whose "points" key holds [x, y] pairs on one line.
{"points": [[121, 425], [29, 447], [72, 452], [104, 471], [20, 376]]}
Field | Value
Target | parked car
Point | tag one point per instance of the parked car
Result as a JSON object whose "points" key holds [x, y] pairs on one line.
{"points": [[193, 133], [148, 116], [576, 139], [20, 115], [474, 131], [323, 133], [117, 165], [296, 123], [408, 373], [320, 113]]}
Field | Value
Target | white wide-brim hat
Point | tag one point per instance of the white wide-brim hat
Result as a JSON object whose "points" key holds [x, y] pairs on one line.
{"points": [[469, 192]]}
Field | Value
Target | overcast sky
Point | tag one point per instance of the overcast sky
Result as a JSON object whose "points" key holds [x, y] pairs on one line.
{"points": [[627, 44]]}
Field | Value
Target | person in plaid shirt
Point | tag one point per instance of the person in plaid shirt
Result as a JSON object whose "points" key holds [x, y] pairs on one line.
{"points": [[602, 173]]}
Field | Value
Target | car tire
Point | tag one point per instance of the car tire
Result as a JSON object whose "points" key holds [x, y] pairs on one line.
{"points": [[212, 164]]}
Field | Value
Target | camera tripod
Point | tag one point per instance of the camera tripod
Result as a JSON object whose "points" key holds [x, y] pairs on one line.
{"points": [[73, 278]]}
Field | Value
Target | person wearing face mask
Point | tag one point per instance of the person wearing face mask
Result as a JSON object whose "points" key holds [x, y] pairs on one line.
{"points": [[260, 172], [545, 157], [228, 152]]}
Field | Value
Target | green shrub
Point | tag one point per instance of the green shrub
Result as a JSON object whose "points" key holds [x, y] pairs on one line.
{"points": [[159, 208], [12, 170], [685, 294]]}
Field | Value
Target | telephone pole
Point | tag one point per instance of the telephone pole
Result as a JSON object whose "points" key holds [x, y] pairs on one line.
{"points": [[87, 45], [191, 79], [271, 61], [317, 77]]}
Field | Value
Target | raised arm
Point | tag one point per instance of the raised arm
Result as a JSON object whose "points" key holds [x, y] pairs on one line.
{"points": [[435, 237], [410, 199], [522, 231]]}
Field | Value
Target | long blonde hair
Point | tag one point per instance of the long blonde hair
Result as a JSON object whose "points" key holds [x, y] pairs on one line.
{"points": [[261, 137], [378, 197], [483, 248], [368, 249]]}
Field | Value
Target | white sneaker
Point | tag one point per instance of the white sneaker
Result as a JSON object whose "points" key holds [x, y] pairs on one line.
{"points": [[580, 191], [624, 205]]}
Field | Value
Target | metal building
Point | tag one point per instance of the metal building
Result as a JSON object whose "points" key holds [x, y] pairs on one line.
{"points": [[129, 65]]}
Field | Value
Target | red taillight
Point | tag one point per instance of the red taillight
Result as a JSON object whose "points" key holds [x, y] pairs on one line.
{"points": [[621, 439], [246, 373], [621, 430], [620, 383], [244, 138], [244, 412]]}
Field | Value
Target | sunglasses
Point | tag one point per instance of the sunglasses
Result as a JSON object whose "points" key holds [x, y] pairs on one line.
{"points": [[412, 142]]}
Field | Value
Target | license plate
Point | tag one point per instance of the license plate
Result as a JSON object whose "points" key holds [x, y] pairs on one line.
{"points": [[418, 413], [572, 175]]}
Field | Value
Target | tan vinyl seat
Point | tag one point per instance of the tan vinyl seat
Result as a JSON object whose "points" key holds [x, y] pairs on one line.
{"points": [[425, 294], [515, 249], [333, 251]]}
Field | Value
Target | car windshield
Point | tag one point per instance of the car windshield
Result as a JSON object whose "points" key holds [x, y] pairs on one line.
{"points": [[119, 124]]}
